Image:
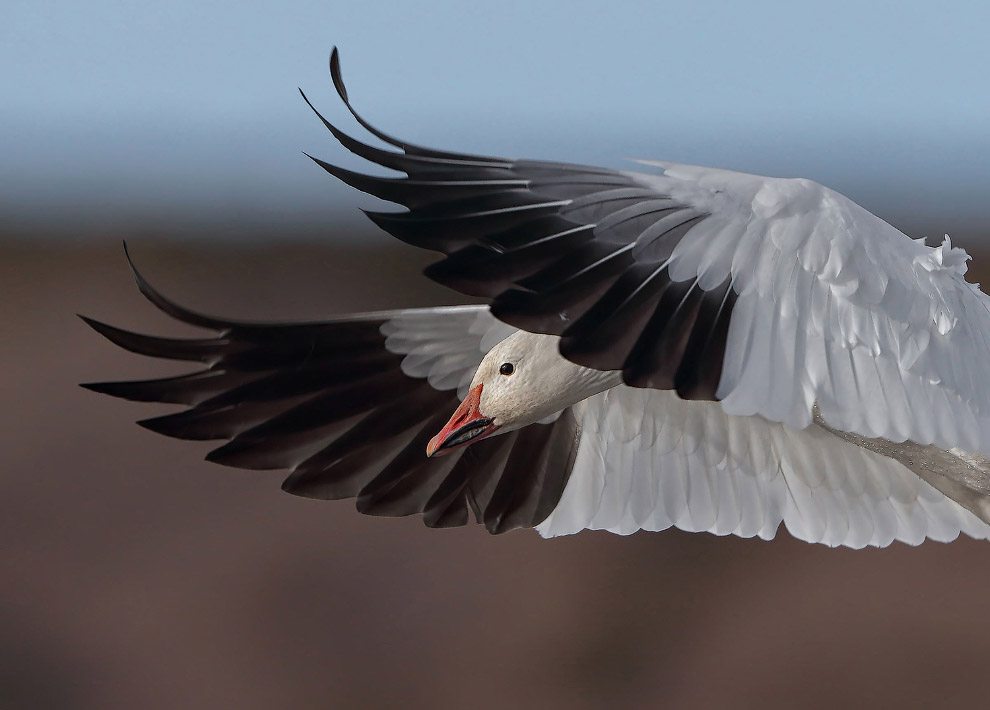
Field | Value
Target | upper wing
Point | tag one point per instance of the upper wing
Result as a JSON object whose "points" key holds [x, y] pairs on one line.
{"points": [[562, 249], [649, 460], [349, 406], [767, 294]]}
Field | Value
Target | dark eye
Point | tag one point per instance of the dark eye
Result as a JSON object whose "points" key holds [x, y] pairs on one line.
{"points": [[507, 368]]}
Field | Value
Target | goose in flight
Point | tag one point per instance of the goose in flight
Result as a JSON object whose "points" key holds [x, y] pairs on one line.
{"points": [[682, 346]]}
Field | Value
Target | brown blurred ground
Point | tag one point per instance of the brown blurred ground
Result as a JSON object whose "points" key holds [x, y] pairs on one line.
{"points": [[135, 575]]}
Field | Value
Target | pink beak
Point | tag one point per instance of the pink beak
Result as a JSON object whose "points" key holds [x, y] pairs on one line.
{"points": [[465, 426]]}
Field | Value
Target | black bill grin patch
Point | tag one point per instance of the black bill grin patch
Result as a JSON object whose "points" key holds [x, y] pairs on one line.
{"points": [[466, 433]]}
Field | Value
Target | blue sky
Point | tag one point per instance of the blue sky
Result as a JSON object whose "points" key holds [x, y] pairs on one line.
{"points": [[124, 114]]}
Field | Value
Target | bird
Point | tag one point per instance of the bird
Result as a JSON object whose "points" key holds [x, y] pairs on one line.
{"points": [[671, 347]]}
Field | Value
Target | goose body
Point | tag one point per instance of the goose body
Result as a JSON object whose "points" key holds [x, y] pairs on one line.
{"points": [[677, 346]]}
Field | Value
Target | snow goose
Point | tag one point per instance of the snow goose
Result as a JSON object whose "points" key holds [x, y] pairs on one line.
{"points": [[683, 346]]}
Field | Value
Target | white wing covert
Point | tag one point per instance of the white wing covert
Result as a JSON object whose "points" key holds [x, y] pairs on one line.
{"points": [[837, 307], [445, 345]]}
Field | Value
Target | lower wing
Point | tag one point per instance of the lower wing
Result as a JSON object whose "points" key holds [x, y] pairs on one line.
{"points": [[348, 406], [649, 460]]}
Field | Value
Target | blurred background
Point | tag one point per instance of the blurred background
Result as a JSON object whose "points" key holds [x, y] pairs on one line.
{"points": [[136, 575]]}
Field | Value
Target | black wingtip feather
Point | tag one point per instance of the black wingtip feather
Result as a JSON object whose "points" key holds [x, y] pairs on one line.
{"points": [[307, 484], [454, 516], [237, 454], [467, 273], [123, 390], [189, 425], [701, 370], [190, 389], [166, 305], [338, 84], [153, 346], [165, 425], [101, 387], [304, 485], [399, 226], [409, 148], [383, 188], [338, 81], [319, 115]]}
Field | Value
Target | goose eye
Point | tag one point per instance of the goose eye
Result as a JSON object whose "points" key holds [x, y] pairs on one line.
{"points": [[507, 368]]}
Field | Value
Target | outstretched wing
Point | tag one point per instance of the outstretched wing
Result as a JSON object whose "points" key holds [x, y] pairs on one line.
{"points": [[349, 406], [767, 294], [649, 460], [562, 249]]}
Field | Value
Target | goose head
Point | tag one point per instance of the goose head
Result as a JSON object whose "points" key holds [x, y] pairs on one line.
{"points": [[521, 381]]}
